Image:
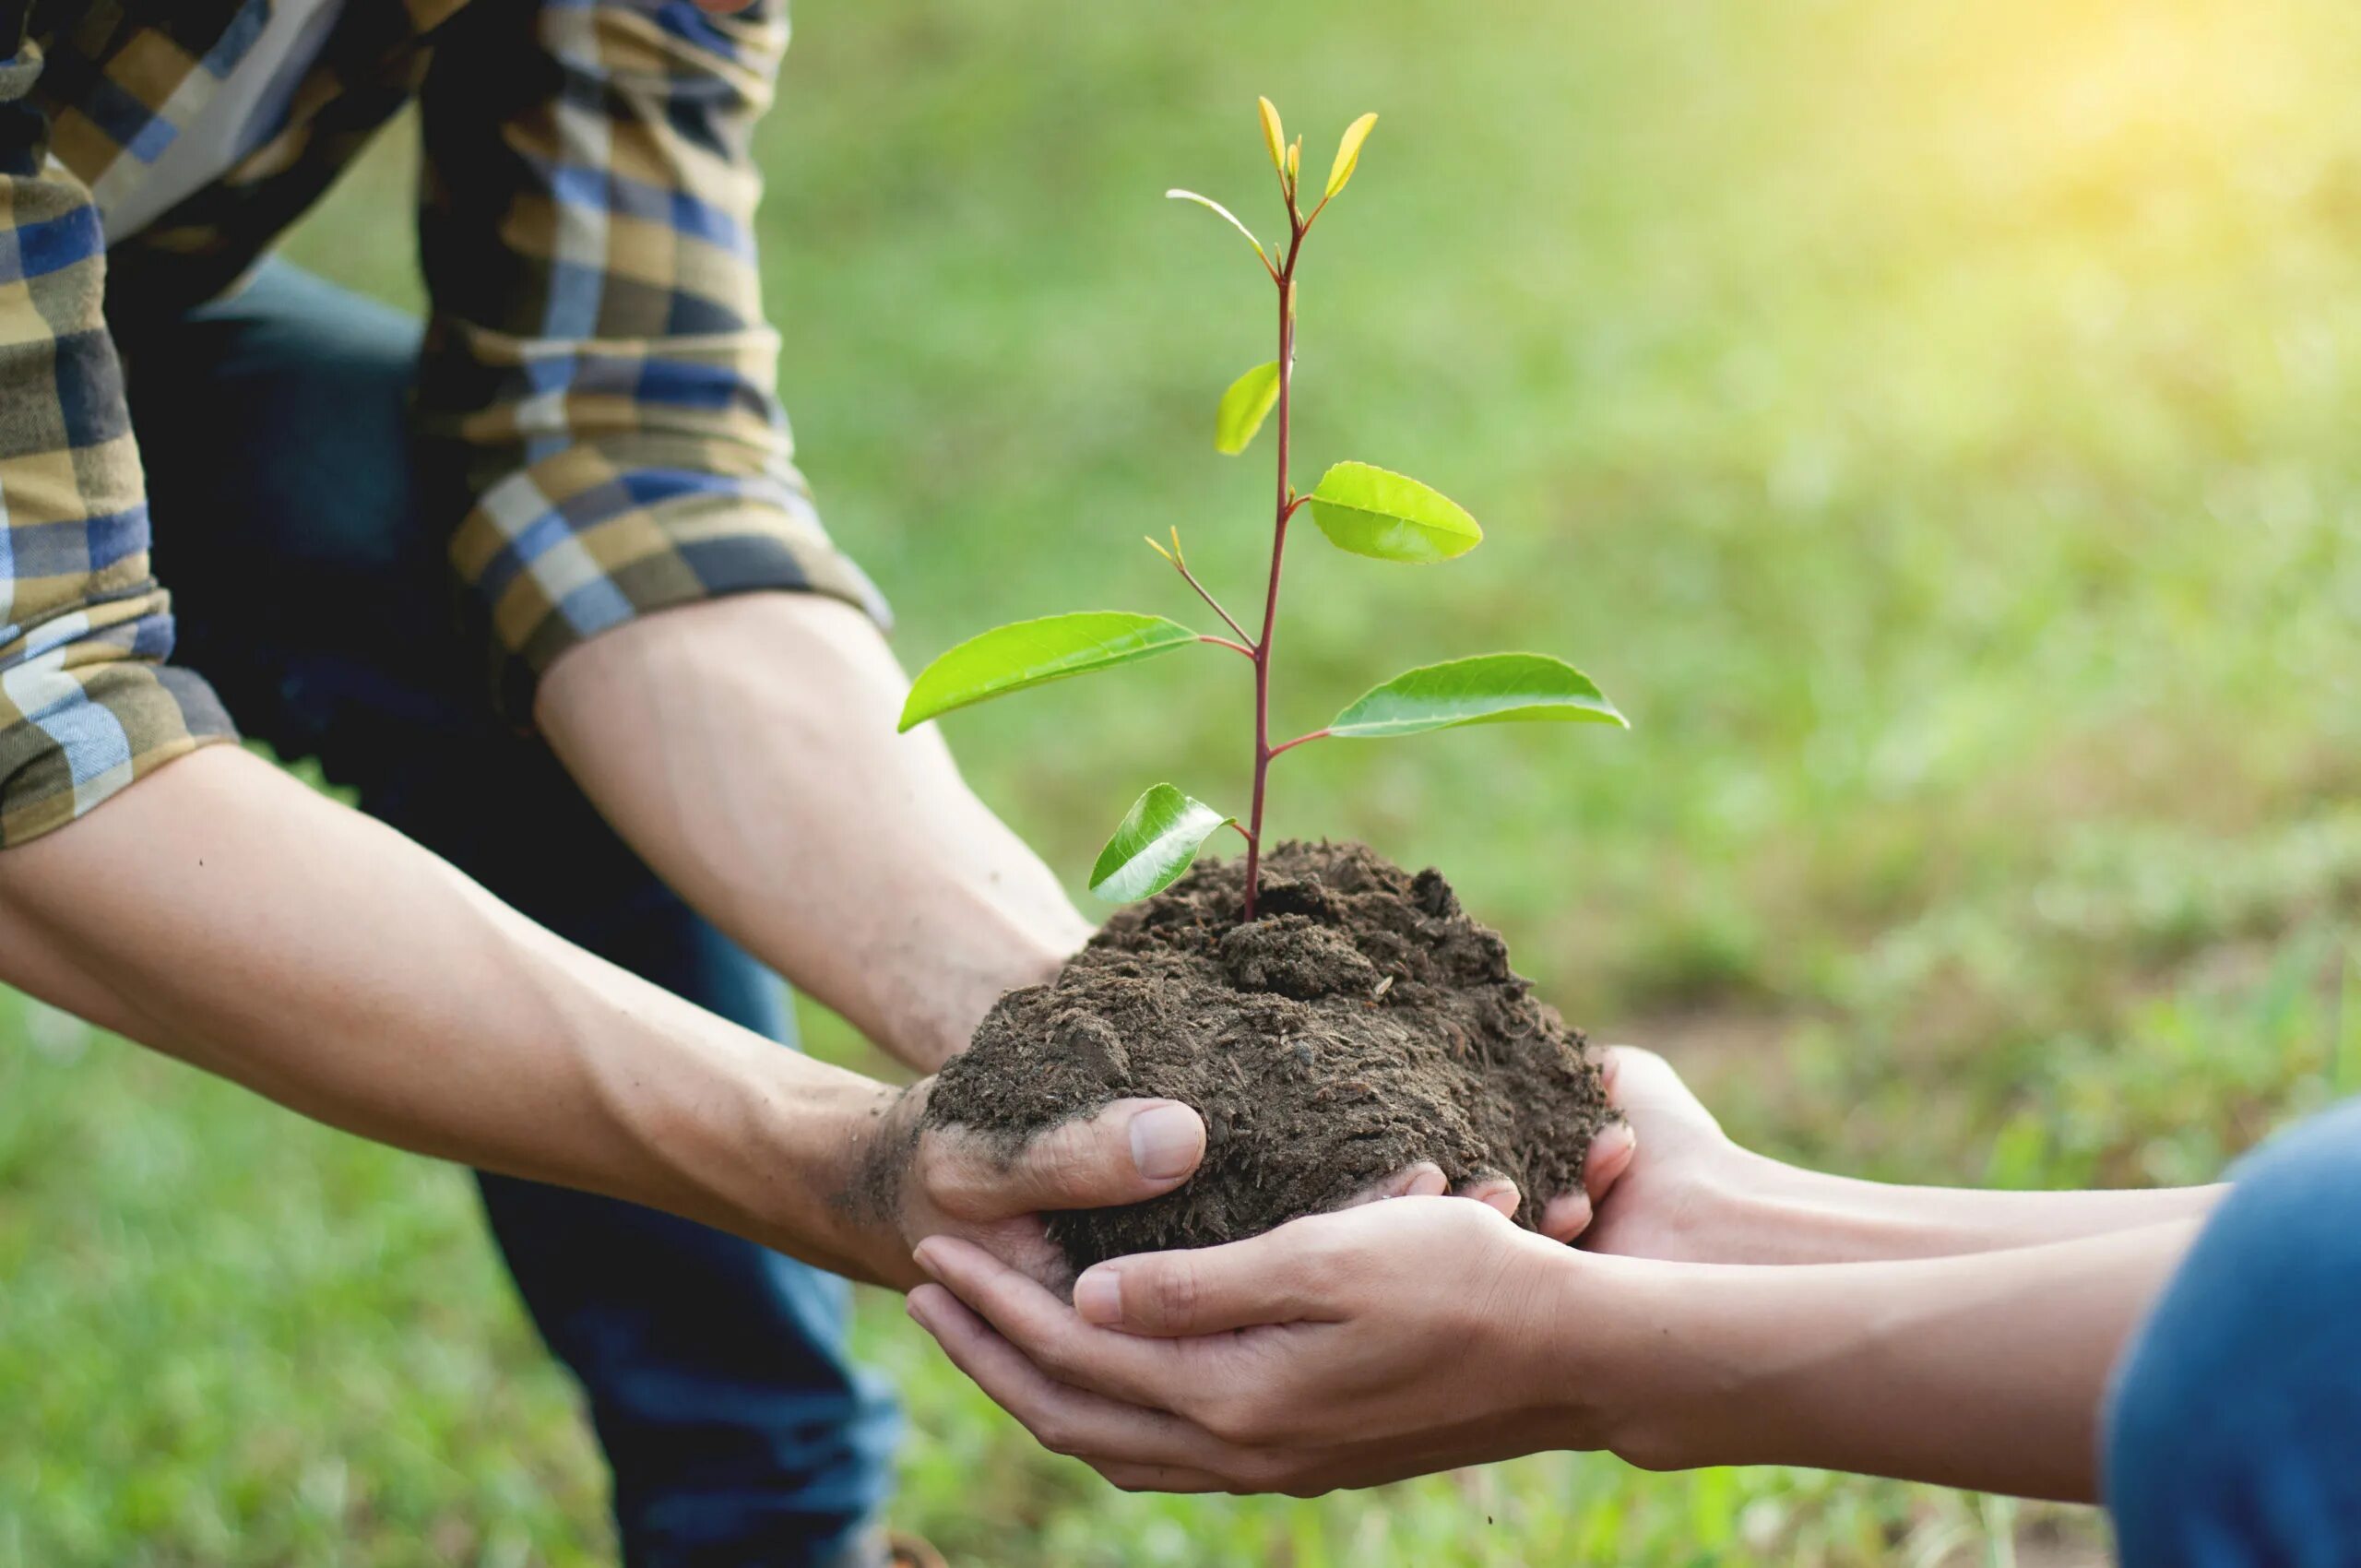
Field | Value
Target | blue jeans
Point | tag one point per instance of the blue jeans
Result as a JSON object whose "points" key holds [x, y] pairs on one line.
{"points": [[2234, 1431], [275, 432]]}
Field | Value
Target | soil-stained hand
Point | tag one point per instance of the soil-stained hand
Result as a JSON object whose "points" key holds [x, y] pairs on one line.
{"points": [[915, 1181], [1345, 1350]]}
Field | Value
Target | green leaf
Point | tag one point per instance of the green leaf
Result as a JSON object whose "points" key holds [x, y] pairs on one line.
{"points": [[1273, 136], [1212, 206], [1348, 154], [1159, 836], [1373, 513], [1244, 407], [1009, 659], [1491, 688]]}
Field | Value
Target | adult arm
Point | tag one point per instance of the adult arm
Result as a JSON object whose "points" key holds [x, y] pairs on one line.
{"points": [[208, 905], [1691, 1193], [1987, 1372], [1309, 1358], [746, 748], [224, 913], [639, 553]]}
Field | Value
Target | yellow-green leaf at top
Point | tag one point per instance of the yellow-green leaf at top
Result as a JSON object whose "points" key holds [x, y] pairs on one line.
{"points": [[1387, 516], [1348, 154], [1029, 653], [1244, 407], [1272, 136], [1491, 688], [1155, 843]]}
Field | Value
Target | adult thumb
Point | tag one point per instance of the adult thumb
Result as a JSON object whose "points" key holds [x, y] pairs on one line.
{"points": [[1130, 1151]]}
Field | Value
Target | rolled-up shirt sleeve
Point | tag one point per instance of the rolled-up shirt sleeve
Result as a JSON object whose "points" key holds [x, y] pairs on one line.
{"points": [[89, 700], [597, 401]]}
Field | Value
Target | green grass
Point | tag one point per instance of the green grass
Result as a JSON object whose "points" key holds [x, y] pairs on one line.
{"points": [[1931, 423]]}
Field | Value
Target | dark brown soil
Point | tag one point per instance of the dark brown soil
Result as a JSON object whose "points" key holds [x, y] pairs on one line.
{"points": [[1361, 1024]]}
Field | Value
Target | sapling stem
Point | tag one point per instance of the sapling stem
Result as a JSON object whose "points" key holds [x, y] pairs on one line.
{"points": [[1299, 740], [1288, 502], [1181, 564]]}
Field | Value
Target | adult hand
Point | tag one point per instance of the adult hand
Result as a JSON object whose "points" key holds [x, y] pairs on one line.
{"points": [[1674, 1194], [1563, 1216], [912, 1181], [1691, 1195], [1345, 1350], [1613, 1148], [1357, 1347]]}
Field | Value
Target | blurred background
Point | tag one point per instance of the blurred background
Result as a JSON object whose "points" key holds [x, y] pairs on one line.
{"points": [[1932, 423]]}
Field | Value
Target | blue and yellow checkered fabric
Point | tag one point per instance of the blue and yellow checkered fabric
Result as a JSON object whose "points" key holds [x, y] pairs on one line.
{"points": [[596, 403]]}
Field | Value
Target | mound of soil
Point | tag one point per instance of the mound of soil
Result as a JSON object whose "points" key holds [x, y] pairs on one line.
{"points": [[1363, 1022]]}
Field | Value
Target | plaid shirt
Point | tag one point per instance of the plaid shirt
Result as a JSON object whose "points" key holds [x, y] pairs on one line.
{"points": [[597, 393]]}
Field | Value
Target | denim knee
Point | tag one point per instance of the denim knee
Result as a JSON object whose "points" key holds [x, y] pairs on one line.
{"points": [[2234, 1428]]}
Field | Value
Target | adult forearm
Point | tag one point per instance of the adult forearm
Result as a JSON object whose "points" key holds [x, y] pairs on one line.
{"points": [[1693, 1195], [1985, 1372], [1769, 1212], [225, 914], [746, 747]]}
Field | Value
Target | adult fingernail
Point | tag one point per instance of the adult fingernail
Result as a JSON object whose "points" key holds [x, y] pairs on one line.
{"points": [[923, 1255], [1098, 1297], [1567, 1217], [1165, 1141]]}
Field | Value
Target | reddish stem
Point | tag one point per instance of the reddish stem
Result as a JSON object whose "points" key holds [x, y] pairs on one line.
{"points": [[1300, 740], [1227, 619], [1225, 642], [1288, 501]]}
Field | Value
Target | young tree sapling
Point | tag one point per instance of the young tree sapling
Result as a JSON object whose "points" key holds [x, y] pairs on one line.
{"points": [[1362, 509]]}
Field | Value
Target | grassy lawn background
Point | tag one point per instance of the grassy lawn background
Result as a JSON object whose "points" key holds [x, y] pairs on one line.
{"points": [[1931, 423]]}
